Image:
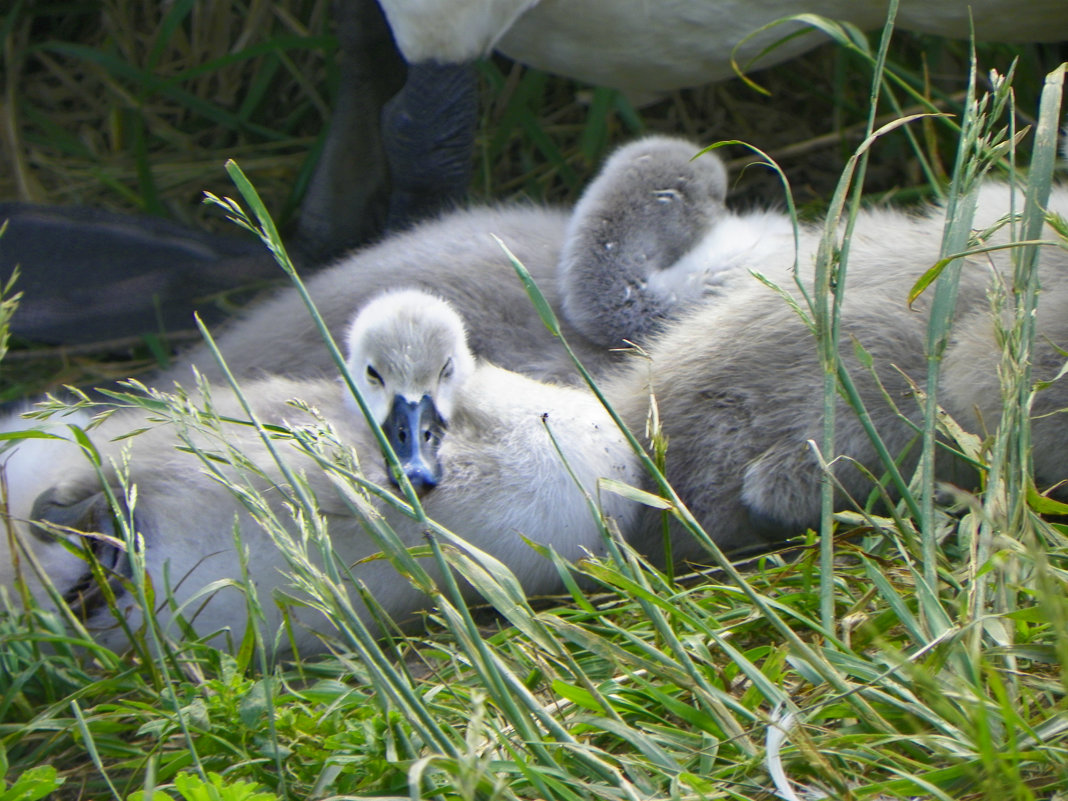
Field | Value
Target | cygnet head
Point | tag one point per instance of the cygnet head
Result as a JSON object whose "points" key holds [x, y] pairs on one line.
{"points": [[408, 355]]}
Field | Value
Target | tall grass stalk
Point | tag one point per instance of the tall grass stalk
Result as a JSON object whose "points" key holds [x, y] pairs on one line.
{"points": [[832, 260], [1009, 484]]}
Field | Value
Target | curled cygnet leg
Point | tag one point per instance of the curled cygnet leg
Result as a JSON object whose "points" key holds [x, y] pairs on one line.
{"points": [[651, 204]]}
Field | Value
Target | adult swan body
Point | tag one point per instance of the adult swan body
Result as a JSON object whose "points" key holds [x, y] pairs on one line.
{"points": [[649, 49]]}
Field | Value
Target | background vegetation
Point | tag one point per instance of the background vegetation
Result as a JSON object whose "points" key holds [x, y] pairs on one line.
{"points": [[134, 107], [929, 663]]}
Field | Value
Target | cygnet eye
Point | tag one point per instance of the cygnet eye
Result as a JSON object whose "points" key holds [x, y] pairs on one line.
{"points": [[373, 377], [446, 372]]}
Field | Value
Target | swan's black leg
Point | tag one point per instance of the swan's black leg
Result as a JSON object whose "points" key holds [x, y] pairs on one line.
{"points": [[347, 200], [429, 134], [399, 144]]}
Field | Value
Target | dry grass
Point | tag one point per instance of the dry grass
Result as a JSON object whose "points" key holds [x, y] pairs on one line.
{"points": [[84, 124]]}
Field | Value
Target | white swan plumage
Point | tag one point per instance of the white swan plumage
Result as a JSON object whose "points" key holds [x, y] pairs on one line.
{"points": [[649, 49]]}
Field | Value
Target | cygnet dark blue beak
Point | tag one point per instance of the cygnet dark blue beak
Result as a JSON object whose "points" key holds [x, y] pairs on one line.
{"points": [[414, 430]]}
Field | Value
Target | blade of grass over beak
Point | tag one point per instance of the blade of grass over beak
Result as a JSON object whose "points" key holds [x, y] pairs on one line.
{"points": [[268, 233], [393, 685]]}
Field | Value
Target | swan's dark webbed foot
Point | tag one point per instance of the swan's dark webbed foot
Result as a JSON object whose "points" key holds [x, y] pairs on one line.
{"points": [[89, 275], [651, 204], [93, 516]]}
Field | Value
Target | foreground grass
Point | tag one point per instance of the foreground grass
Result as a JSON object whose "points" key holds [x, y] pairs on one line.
{"points": [[923, 656], [649, 690]]}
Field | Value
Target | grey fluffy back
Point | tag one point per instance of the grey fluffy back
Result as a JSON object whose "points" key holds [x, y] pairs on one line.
{"points": [[739, 385], [457, 258]]}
